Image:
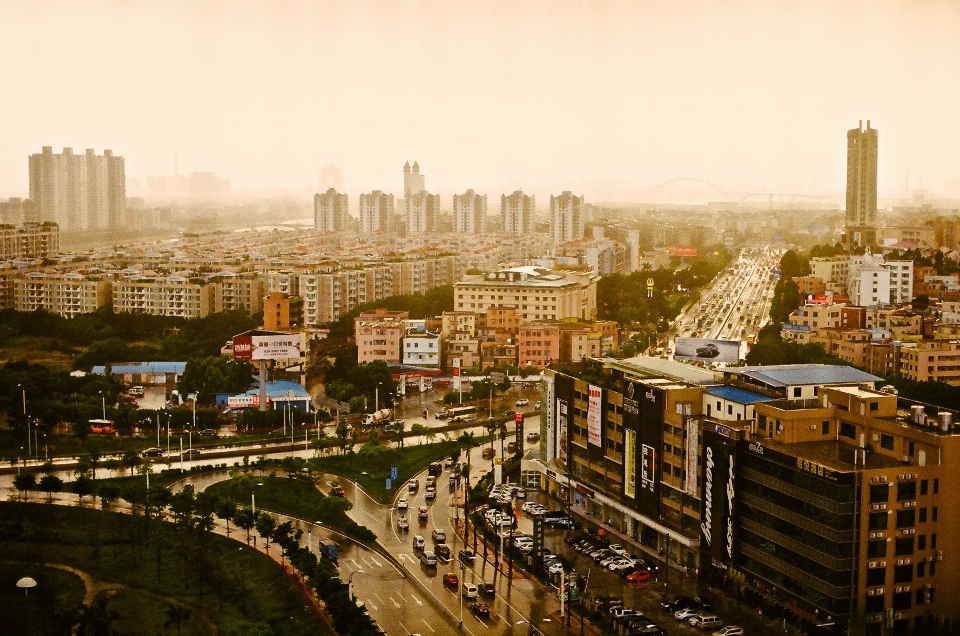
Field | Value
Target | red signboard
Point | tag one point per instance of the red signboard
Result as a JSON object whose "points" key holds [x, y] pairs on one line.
{"points": [[682, 250], [519, 418]]}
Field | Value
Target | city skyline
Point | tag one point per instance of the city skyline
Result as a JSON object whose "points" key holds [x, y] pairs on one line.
{"points": [[595, 98]]}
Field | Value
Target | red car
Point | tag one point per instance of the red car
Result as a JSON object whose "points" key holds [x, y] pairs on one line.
{"points": [[639, 575], [449, 578]]}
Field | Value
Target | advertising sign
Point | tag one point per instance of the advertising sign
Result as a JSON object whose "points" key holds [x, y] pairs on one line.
{"points": [[272, 347], [402, 387], [693, 451], [707, 350], [245, 401], [630, 463], [561, 450], [682, 250], [594, 415], [652, 402], [648, 467], [720, 497]]}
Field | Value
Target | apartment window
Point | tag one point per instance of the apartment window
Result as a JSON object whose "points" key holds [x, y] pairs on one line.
{"points": [[874, 406], [933, 515], [906, 518], [879, 493], [825, 428], [886, 441], [878, 521], [848, 430], [902, 574], [936, 486], [922, 542], [906, 490], [876, 549], [903, 546], [933, 545], [921, 569], [923, 515], [797, 391]]}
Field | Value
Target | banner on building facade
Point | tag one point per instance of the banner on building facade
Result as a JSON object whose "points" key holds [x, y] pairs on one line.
{"points": [[693, 451], [630, 463], [594, 415]]}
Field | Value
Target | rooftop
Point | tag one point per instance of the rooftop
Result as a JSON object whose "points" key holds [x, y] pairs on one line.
{"points": [[649, 366], [832, 454], [738, 395], [793, 374], [142, 367]]}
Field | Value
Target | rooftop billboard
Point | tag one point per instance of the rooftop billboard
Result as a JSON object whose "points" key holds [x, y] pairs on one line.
{"points": [[704, 350]]}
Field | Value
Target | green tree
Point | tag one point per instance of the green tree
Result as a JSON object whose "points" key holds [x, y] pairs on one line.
{"points": [[50, 484], [226, 509], [109, 492], [265, 524], [25, 482], [83, 486], [97, 618], [210, 375], [131, 459], [245, 519]]}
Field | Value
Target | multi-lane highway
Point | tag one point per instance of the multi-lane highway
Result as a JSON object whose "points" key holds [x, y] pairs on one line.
{"points": [[736, 304]]}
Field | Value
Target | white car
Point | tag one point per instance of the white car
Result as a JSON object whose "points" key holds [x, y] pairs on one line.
{"points": [[529, 506], [401, 504], [685, 614], [556, 568], [616, 548], [522, 402]]}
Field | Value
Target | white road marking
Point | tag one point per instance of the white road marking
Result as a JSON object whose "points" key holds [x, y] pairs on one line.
{"points": [[428, 625], [395, 604]]}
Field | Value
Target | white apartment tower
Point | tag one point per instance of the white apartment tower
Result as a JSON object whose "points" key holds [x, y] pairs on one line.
{"points": [[330, 211], [566, 217], [469, 213], [376, 211], [517, 211], [421, 209], [79, 192]]}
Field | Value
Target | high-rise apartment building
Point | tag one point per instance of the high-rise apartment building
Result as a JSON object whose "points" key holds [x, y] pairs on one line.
{"points": [[861, 217], [422, 211], [469, 213], [517, 211], [376, 212], [330, 211], [566, 217], [79, 192]]}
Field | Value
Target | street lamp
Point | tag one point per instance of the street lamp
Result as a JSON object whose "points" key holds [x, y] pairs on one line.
{"points": [[103, 404], [376, 397], [350, 587], [461, 593]]}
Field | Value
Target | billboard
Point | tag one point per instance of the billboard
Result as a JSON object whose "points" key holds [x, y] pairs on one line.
{"points": [[706, 350], [272, 347], [718, 514], [682, 250], [594, 416], [245, 401], [693, 452], [630, 463]]}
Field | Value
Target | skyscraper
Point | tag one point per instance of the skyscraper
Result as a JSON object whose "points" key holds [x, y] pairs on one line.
{"points": [[376, 212], [330, 211], [517, 211], [469, 213], [79, 192], [861, 217], [421, 210], [566, 217]]}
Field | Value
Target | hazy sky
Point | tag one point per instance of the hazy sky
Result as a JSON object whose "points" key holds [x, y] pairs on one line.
{"points": [[547, 96]]}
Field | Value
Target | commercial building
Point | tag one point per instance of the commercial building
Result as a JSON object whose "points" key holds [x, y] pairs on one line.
{"points": [[469, 213], [79, 192], [861, 210], [330, 211], [421, 348], [517, 211], [536, 293]]}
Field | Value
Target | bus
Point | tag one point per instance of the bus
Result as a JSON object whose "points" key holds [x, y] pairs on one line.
{"points": [[460, 413]]}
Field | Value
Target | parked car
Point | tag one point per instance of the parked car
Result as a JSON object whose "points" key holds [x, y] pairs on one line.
{"points": [[729, 630], [638, 576], [337, 491], [705, 621], [685, 614]]}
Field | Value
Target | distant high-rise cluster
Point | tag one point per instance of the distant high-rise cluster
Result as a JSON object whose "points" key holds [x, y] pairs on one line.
{"points": [[376, 210], [79, 192], [421, 209], [861, 214]]}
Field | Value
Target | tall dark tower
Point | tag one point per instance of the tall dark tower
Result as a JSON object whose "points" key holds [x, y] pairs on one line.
{"points": [[861, 223]]}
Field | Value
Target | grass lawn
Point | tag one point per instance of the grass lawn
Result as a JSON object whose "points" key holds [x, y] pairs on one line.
{"points": [[57, 592], [372, 477], [293, 497], [220, 580]]}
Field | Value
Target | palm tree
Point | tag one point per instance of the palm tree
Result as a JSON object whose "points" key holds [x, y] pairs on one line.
{"points": [[96, 619], [177, 615]]}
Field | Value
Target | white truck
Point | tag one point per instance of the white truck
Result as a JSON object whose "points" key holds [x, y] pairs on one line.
{"points": [[379, 417]]}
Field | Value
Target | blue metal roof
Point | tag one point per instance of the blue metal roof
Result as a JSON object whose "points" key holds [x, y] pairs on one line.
{"points": [[142, 367], [796, 374], [738, 395], [282, 389]]}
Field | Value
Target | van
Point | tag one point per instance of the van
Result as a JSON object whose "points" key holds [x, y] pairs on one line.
{"points": [[419, 542], [428, 559], [439, 536], [431, 482], [707, 621], [413, 485]]}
